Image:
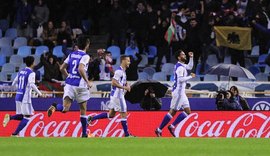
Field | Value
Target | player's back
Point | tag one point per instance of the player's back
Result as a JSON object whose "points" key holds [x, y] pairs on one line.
{"points": [[73, 61], [24, 90]]}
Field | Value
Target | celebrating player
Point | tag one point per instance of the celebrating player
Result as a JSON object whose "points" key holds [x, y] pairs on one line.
{"points": [[25, 82], [77, 84], [179, 97], [117, 100]]}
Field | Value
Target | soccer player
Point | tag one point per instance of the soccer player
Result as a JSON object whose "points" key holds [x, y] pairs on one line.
{"points": [[77, 84], [25, 82], [117, 100], [179, 97]]}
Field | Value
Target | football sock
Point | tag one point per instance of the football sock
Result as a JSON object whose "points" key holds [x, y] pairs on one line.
{"points": [[16, 117], [84, 124], [100, 116], [179, 118], [165, 121], [21, 125], [125, 127]]}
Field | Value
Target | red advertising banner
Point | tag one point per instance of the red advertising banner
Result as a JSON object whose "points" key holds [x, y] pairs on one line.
{"points": [[143, 124]]}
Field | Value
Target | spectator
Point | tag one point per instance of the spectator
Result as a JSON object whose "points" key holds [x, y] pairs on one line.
{"points": [[51, 67], [95, 66], [64, 33], [23, 19], [40, 16], [132, 71], [108, 65], [235, 95], [49, 35], [150, 101], [224, 101]]}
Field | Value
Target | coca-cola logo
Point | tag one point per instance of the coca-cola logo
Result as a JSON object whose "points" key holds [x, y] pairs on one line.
{"points": [[37, 126], [246, 125]]}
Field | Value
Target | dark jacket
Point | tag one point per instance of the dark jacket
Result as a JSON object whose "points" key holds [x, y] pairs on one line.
{"points": [[149, 103]]}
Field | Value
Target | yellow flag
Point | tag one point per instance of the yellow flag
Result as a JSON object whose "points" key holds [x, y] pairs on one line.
{"points": [[233, 37]]}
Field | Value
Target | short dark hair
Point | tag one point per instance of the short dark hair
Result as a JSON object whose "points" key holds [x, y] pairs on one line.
{"points": [[83, 41], [177, 53], [123, 57], [29, 61]]}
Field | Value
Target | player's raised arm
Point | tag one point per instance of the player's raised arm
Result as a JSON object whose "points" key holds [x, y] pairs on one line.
{"points": [[190, 63]]}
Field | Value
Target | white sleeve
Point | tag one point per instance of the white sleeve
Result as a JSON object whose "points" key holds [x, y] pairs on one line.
{"points": [[190, 64], [67, 59], [31, 81], [85, 60], [15, 81], [117, 75], [180, 74]]}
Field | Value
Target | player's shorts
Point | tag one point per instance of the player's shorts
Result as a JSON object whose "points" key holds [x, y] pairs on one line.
{"points": [[179, 101], [24, 108], [118, 104], [76, 93]]}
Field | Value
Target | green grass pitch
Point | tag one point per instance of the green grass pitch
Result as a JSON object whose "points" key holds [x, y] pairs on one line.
{"points": [[134, 147]]}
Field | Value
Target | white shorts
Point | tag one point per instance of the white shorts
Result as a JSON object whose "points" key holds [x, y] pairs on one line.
{"points": [[76, 93], [118, 104], [179, 101], [24, 108]]}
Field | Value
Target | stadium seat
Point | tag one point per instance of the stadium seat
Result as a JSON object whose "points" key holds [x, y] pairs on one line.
{"points": [[115, 50], [4, 24], [16, 60], [37, 59], [11, 33], [212, 60], [267, 69], [19, 41], [150, 71], [208, 77], [261, 59], [8, 67], [205, 86], [131, 51], [106, 87], [152, 51], [143, 76], [197, 78], [254, 70], [2, 59], [22, 66], [261, 77], [57, 51], [167, 68], [255, 51], [262, 88], [1, 33], [3, 76], [41, 50], [160, 76], [248, 63], [144, 61], [227, 60], [6, 51], [24, 51], [5, 42]]}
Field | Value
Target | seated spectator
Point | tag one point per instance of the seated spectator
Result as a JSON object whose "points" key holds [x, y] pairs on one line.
{"points": [[150, 101], [49, 35], [224, 101], [51, 67], [235, 95]]}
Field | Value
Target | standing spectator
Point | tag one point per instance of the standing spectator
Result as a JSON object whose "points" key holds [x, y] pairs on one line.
{"points": [[108, 65], [40, 16], [23, 19], [139, 25], [51, 67], [64, 33], [49, 35], [132, 71], [152, 27]]}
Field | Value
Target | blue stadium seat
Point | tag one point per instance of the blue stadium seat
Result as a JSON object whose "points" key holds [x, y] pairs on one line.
{"points": [[6, 51], [8, 67], [13, 76], [167, 68], [144, 61], [11, 33], [3, 76], [261, 77], [212, 60], [5, 42], [40, 50], [24, 51], [131, 51], [115, 50], [254, 70], [4, 24], [208, 77], [262, 88], [152, 51], [2, 59], [57, 51], [1, 33], [19, 41], [262, 58], [160, 76], [149, 70], [205, 86], [16, 60], [106, 87], [143, 76]]}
